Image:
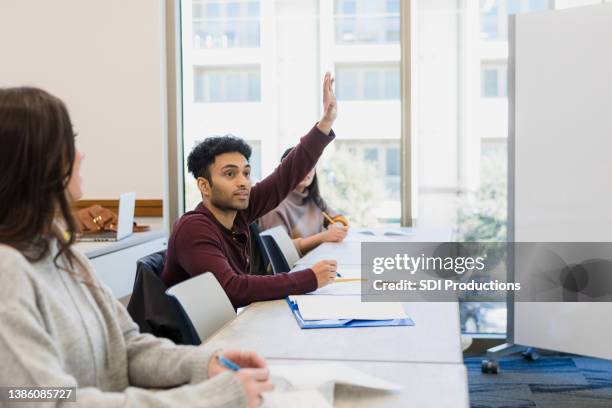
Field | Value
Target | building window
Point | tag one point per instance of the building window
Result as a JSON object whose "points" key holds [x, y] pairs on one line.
{"points": [[367, 21], [392, 161], [494, 15], [384, 155], [494, 81], [226, 24], [227, 84], [255, 160], [367, 81]]}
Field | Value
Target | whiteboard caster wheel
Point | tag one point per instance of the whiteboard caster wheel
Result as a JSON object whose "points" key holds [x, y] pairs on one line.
{"points": [[489, 367], [531, 354]]}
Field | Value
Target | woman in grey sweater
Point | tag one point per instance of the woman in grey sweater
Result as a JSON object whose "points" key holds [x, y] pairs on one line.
{"points": [[306, 216], [61, 326]]}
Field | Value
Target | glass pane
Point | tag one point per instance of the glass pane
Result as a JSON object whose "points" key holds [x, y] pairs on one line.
{"points": [[367, 22], [489, 83], [370, 154], [232, 9], [371, 88], [489, 19], [393, 161], [212, 10], [275, 100], [253, 9], [226, 25], [255, 160], [226, 84], [461, 138]]}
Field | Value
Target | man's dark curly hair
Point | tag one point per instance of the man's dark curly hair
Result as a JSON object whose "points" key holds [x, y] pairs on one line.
{"points": [[204, 154]]}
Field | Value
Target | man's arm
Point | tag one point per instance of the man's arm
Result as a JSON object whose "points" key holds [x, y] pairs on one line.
{"points": [[268, 193], [199, 254]]}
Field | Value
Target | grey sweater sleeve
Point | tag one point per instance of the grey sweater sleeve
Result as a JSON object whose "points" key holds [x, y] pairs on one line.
{"points": [[158, 362], [31, 358]]}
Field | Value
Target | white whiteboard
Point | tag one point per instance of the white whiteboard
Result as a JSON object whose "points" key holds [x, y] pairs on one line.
{"points": [[562, 175]]}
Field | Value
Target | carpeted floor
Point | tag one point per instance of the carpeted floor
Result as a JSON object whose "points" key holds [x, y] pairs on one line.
{"points": [[563, 381]]}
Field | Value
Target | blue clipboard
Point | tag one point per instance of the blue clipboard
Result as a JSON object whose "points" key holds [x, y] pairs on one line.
{"points": [[343, 323]]}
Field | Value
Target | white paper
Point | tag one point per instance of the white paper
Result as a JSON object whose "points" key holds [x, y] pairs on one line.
{"points": [[321, 307], [295, 399], [339, 289], [315, 376]]}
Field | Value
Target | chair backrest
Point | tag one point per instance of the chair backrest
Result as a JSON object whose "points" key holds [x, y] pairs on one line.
{"points": [[204, 302], [284, 243], [276, 257], [153, 310], [259, 257], [155, 262]]}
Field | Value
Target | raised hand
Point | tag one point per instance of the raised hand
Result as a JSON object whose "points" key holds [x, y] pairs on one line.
{"points": [[330, 108]]}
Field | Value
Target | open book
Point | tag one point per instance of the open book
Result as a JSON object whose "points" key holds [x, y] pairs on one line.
{"points": [[312, 385]]}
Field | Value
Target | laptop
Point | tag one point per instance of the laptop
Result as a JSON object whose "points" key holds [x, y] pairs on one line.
{"points": [[127, 206]]}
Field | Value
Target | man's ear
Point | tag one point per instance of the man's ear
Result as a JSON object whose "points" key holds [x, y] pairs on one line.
{"points": [[204, 186]]}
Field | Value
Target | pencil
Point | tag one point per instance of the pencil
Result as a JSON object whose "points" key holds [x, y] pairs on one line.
{"points": [[340, 280], [331, 221]]}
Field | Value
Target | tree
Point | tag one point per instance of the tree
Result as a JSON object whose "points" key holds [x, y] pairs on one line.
{"points": [[483, 215], [351, 185]]}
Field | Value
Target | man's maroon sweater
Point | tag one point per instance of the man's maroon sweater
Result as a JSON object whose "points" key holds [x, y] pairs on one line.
{"points": [[200, 243]]}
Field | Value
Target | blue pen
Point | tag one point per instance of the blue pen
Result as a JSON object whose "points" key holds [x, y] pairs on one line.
{"points": [[227, 363]]}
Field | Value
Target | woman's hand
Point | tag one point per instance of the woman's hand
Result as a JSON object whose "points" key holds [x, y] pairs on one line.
{"points": [[245, 359], [335, 233], [255, 381]]}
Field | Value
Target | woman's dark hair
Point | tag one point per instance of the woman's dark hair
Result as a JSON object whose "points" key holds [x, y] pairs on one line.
{"points": [[313, 188], [36, 158]]}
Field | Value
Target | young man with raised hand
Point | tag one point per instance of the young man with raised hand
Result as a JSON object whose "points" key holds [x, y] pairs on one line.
{"points": [[215, 237]]}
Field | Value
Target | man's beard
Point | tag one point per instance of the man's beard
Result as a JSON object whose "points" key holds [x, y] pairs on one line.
{"points": [[227, 205]]}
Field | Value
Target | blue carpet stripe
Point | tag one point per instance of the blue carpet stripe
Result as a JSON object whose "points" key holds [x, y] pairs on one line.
{"points": [[555, 381]]}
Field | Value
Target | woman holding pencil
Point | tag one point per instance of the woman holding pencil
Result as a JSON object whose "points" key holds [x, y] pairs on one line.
{"points": [[61, 326], [309, 221]]}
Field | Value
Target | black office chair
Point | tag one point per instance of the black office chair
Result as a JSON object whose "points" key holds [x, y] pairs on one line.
{"points": [[260, 264], [275, 255], [153, 310]]}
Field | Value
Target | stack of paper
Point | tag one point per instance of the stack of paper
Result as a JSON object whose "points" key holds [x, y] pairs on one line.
{"points": [[321, 307], [339, 289], [312, 385]]}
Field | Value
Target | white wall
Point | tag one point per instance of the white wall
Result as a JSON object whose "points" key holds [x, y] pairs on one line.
{"points": [[104, 59]]}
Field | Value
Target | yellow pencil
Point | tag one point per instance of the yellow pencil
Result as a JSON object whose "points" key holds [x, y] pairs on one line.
{"points": [[331, 221], [339, 280]]}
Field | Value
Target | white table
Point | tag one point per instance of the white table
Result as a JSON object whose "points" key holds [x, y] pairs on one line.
{"points": [[270, 329], [425, 385], [115, 262], [348, 252], [425, 358]]}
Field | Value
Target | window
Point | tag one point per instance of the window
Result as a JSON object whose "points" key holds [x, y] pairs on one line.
{"points": [[489, 19], [384, 155], [494, 81], [225, 24], [460, 144], [367, 82], [367, 21], [255, 160], [494, 15], [226, 84], [263, 84]]}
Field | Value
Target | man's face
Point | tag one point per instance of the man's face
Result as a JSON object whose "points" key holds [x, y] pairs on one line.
{"points": [[231, 182]]}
